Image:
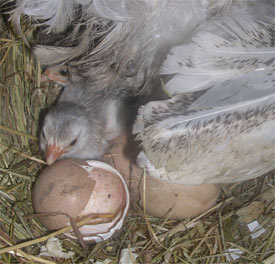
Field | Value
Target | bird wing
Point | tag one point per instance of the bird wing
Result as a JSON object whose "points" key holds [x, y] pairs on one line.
{"points": [[57, 15], [224, 143], [222, 49], [227, 133]]}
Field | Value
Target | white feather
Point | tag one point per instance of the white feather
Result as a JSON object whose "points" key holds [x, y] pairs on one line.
{"points": [[115, 10], [50, 55], [57, 15], [222, 49], [227, 133], [221, 144]]}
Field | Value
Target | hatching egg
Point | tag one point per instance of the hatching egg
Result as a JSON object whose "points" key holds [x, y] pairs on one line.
{"points": [[80, 189]]}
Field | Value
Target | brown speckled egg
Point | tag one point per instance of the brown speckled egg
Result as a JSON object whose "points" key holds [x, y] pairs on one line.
{"points": [[81, 188], [162, 198], [177, 201]]}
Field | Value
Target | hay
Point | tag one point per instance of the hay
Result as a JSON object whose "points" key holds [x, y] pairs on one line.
{"points": [[204, 239]]}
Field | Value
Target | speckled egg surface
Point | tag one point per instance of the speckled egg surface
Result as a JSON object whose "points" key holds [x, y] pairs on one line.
{"points": [[78, 189]]}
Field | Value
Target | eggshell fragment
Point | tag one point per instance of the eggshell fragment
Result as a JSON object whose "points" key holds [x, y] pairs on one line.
{"points": [[79, 189]]}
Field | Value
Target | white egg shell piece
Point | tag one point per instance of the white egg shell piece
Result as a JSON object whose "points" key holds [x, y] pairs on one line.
{"points": [[98, 204]]}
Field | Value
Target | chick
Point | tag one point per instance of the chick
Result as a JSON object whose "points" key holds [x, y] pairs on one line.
{"points": [[81, 124], [61, 74]]}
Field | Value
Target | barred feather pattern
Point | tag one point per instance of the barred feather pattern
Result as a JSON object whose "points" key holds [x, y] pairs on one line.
{"points": [[227, 133]]}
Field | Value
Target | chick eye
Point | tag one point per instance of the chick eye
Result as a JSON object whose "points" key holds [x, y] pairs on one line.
{"points": [[73, 142], [64, 72]]}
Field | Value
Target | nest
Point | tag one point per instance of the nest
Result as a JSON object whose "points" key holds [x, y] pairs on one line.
{"points": [[220, 235]]}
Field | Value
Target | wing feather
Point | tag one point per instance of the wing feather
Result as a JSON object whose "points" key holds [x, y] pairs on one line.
{"points": [[227, 133]]}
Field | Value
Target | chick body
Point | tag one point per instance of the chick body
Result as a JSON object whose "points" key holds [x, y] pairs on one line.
{"points": [[81, 124]]}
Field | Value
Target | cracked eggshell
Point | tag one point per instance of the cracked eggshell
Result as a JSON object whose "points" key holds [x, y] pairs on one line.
{"points": [[82, 188], [63, 187]]}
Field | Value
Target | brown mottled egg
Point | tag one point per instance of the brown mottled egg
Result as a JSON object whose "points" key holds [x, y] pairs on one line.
{"points": [[79, 189], [177, 201], [162, 198]]}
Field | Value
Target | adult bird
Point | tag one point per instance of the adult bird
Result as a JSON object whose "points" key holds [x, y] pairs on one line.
{"points": [[219, 125]]}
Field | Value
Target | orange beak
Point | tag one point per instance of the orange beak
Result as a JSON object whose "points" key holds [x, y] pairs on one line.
{"points": [[53, 153]]}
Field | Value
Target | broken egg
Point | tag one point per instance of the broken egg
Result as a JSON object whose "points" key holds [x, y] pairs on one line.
{"points": [[78, 189]]}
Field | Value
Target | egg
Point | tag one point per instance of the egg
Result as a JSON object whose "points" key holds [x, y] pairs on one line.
{"points": [[176, 201], [162, 198], [80, 189]]}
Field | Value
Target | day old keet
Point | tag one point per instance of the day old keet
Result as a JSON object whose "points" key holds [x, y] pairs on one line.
{"points": [[80, 125], [61, 74]]}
